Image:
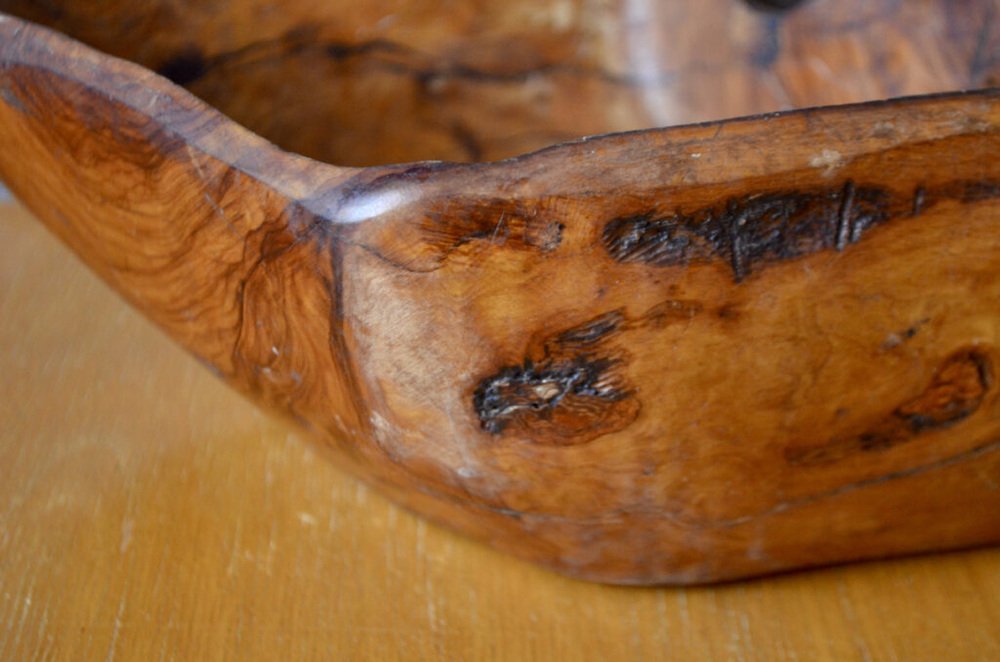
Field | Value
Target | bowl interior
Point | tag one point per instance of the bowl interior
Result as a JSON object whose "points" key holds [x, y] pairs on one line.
{"points": [[382, 81]]}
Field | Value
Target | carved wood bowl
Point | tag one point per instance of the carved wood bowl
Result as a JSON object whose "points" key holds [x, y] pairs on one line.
{"points": [[671, 355]]}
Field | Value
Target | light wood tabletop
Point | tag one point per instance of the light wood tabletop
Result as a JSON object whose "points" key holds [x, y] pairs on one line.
{"points": [[147, 512]]}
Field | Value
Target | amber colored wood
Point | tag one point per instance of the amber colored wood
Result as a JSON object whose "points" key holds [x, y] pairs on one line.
{"points": [[680, 355], [147, 512], [386, 81]]}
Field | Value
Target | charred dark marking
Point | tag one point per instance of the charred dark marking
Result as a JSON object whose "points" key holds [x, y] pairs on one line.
{"points": [[590, 332], [573, 392], [976, 191], [571, 387], [540, 389], [750, 230], [955, 393], [735, 221], [760, 228]]}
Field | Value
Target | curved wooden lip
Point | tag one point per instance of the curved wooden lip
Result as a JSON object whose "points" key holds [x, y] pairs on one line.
{"points": [[25, 43], [323, 188]]}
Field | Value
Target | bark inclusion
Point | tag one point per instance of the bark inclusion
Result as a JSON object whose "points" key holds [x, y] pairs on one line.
{"points": [[540, 389], [569, 389], [747, 231]]}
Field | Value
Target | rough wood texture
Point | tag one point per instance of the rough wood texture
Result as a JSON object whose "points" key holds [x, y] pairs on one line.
{"points": [[147, 512], [672, 356]]}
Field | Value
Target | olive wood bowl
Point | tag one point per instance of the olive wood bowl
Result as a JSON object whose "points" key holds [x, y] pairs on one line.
{"points": [[668, 355]]}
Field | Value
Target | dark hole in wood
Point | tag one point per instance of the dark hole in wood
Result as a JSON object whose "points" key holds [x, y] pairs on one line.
{"points": [[185, 67]]}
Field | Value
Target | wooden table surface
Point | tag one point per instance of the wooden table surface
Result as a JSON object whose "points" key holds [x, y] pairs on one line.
{"points": [[147, 512]]}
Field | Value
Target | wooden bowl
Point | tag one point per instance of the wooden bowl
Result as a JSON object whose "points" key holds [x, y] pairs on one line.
{"points": [[671, 355]]}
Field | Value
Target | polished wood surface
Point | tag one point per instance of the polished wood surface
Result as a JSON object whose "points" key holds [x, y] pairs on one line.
{"points": [[388, 81], [683, 355], [147, 512]]}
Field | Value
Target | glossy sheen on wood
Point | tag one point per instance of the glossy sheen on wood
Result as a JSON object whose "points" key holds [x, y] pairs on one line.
{"points": [[386, 81], [678, 355], [150, 513]]}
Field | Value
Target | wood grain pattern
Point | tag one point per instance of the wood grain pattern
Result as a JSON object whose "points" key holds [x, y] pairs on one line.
{"points": [[147, 512], [385, 81], [680, 355]]}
